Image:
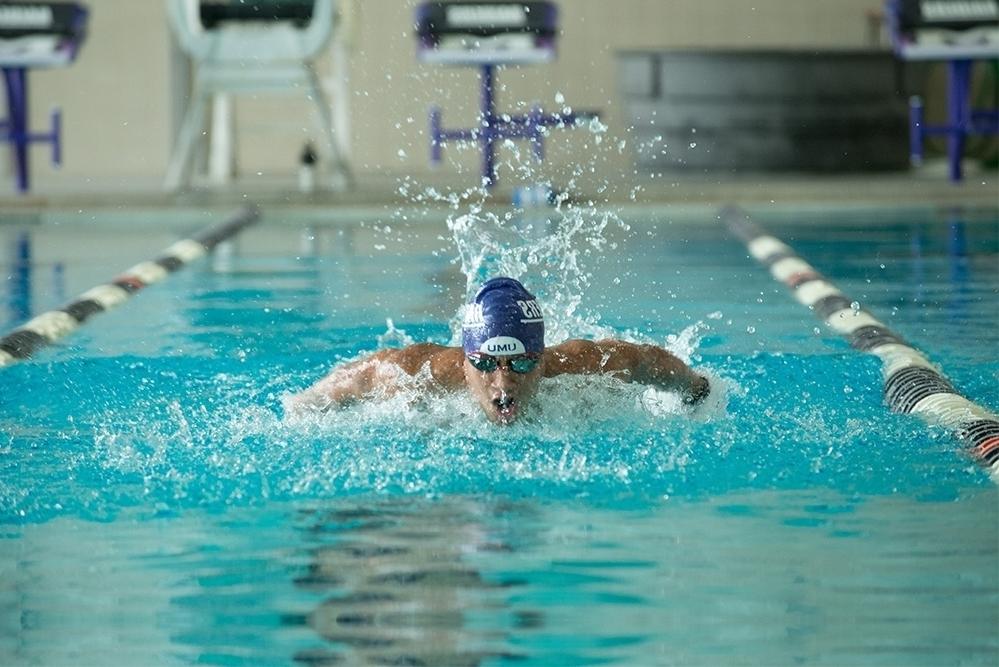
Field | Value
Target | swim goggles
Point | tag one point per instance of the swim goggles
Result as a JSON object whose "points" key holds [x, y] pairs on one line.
{"points": [[521, 364]]}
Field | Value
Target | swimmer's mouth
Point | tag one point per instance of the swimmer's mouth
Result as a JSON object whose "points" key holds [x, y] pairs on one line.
{"points": [[506, 408]]}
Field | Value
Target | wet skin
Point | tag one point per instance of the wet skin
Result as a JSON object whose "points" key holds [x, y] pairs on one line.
{"points": [[502, 393]]}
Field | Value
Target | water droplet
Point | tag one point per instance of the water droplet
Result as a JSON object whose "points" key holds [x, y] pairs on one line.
{"points": [[855, 307], [751, 329], [401, 153], [596, 126]]}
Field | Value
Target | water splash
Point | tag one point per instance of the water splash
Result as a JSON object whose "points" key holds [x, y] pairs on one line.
{"points": [[544, 247], [585, 434], [393, 337], [543, 251], [225, 444]]}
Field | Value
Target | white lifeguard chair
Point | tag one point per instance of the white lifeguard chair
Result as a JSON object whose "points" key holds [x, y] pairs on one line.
{"points": [[241, 53]]}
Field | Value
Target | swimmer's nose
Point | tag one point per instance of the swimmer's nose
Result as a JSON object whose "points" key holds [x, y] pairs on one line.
{"points": [[504, 378]]}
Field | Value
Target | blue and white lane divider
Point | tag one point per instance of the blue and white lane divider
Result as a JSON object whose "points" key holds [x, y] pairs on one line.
{"points": [[912, 384], [53, 325]]}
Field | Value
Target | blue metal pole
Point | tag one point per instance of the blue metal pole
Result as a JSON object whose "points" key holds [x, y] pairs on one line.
{"points": [[17, 105], [958, 117], [56, 137], [915, 130]]}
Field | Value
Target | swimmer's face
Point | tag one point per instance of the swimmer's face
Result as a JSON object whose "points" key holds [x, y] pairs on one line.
{"points": [[502, 392]]}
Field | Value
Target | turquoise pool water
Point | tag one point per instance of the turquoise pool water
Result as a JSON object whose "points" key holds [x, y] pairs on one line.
{"points": [[157, 509]]}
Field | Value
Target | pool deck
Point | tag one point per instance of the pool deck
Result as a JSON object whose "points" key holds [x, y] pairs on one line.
{"points": [[686, 195]]}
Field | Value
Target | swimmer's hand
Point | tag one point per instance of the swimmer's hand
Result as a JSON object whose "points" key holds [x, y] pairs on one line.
{"points": [[697, 392], [630, 362]]}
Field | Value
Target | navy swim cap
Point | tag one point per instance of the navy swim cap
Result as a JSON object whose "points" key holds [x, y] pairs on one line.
{"points": [[503, 319]]}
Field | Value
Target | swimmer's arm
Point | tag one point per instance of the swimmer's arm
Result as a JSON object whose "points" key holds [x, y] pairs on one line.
{"points": [[646, 364], [344, 385], [379, 373]]}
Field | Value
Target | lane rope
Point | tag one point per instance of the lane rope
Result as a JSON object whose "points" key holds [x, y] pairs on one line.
{"points": [[912, 384], [49, 327]]}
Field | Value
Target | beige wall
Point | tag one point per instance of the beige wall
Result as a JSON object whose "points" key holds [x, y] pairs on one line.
{"points": [[114, 98], [117, 109]]}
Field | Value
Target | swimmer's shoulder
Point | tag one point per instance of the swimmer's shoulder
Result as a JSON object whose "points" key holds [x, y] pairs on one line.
{"points": [[412, 357], [572, 356], [445, 362]]}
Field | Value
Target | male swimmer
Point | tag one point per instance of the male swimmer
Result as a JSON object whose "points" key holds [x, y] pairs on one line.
{"points": [[501, 361]]}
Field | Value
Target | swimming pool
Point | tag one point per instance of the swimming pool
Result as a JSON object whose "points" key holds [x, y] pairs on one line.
{"points": [[156, 509]]}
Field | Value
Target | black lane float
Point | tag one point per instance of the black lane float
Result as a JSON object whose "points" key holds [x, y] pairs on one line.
{"points": [[912, 384], [48, 327]]}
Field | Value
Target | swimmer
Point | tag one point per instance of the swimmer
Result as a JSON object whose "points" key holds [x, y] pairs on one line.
{"points": [[501, 361]]}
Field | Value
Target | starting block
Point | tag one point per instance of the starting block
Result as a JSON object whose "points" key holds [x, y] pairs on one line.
{"points": [[489, 35], [957, 32], [35, 35]]}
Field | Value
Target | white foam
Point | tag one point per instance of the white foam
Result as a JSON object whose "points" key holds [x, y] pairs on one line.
{"points": [[565, 407], [684, 344], [659, 403]]}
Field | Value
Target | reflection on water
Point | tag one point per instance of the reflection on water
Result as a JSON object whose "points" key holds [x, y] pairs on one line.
{"points": [[400, 586], [759, 578]]}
